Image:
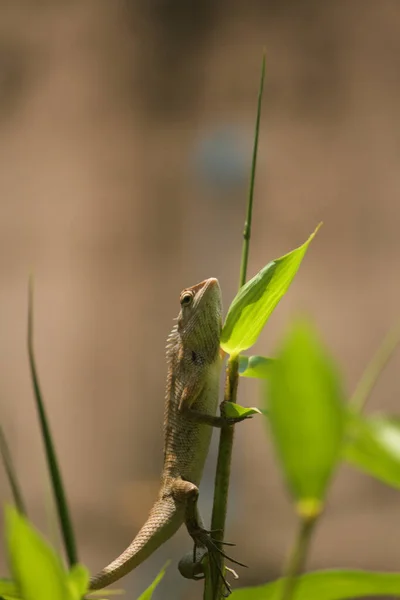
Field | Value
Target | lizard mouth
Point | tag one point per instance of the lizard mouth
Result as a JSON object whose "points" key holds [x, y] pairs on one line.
{"points": [[201, 288]]}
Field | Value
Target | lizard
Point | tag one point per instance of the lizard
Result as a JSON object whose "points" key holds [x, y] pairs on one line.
{"points": [[194, 360]]}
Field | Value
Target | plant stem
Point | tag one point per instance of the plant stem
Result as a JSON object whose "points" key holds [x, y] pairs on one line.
{"points": [[374, 369], [208, 579], [297, 557], [11, 473], [249, 214], [52, 462], [222, 476]]}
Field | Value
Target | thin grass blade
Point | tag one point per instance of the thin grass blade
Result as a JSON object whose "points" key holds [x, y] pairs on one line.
{"points": [[52, 462], [11, 473]]}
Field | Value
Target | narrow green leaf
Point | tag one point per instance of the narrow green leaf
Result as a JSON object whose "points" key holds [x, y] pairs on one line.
{"points": [[11, 473], [306, 415], [373, 446], [147, 594], [51, 456], [375, 367], [78, 581], [255, 366], [35, 567], [255, 301], [233, 410], [329, 585]]}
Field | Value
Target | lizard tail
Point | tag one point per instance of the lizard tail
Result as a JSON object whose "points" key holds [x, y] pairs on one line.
{"points": [[163, 521]]}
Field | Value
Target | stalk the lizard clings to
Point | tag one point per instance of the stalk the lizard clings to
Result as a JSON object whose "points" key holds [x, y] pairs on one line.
{"points": [[194, 365]]}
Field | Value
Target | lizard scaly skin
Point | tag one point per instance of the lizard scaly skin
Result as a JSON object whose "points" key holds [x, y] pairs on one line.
{"points": [[194, 364]]}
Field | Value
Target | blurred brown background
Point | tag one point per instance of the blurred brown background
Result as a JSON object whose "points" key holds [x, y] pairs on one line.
{"points": [[125, 138]]}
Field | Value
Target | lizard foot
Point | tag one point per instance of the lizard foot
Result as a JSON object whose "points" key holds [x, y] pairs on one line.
{"points": [[234, 420], [231, 420], [195, 570], [203, 540]]}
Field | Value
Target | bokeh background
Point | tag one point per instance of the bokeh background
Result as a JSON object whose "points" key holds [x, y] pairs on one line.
{"points": [[125, 142]]}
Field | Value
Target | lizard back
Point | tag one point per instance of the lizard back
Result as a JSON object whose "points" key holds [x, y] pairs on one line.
{"points": [[186, 443]]}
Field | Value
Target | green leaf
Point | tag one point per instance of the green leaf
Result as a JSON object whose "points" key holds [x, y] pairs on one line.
{"points": [[51, 456], [78, 581], [11, 473], [306, 415], [255, 366], [108, 593], [373, 446], [328, 585], [147, 594], [36, 568], [255, 301], [9, 589], [233, 410]]}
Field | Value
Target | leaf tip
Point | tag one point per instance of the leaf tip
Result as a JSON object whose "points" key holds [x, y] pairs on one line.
{"points": [[31, 282], [314, 233]]}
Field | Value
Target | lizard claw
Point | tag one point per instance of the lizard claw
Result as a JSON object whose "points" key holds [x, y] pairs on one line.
{"points": [[209, 532], [202, 537], [204, 541]]}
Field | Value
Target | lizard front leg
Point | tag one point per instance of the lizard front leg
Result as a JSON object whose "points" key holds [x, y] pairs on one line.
{"points": [[188, 397]]}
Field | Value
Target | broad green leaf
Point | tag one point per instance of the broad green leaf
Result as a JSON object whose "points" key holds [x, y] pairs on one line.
{"points": [[328, 585], [255, 366], [233, 410], [255, 301], [306, 415], [147, 594], [9, 589], [78, 581], [373, 446], [35, 567]]}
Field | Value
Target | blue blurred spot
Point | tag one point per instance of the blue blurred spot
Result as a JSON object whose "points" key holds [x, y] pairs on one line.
{"points": [[222, 158]]}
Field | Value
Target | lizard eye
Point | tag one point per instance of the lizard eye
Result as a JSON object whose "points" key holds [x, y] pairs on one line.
{"points": [[186, 299]]}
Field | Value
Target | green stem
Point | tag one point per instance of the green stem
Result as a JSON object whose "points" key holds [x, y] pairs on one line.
{"points": [[249, 214], [297, 557], [52, 463], [222, 476], [208, 587], [375, 368], [11, 473]]}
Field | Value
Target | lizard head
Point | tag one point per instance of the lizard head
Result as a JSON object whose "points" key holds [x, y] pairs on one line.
{"points": [[200, 318]]}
